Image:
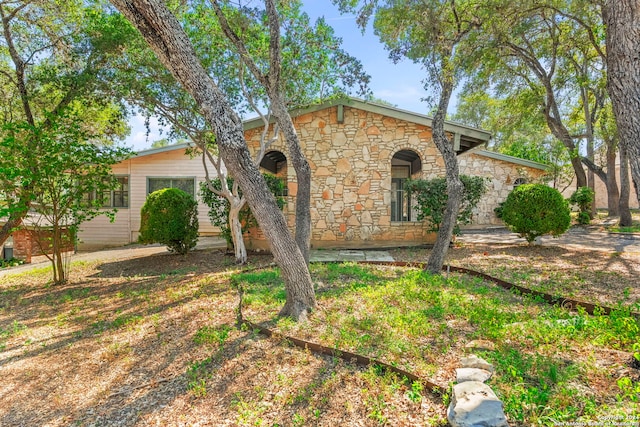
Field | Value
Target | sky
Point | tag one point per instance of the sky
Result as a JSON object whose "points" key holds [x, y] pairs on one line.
{"points": [[400, 84]]}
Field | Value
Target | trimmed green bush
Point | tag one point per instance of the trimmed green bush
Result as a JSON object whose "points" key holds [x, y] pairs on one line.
{"points": [[170, 217], [583, 199], [533, 210]]}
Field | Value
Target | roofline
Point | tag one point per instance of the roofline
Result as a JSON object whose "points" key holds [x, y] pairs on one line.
{"points": [[511, 159], [384, 110], [158, 150]]}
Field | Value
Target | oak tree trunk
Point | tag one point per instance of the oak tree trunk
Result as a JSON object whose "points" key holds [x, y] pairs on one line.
{"points": [[625, 190], [613, 196], [163, 33], [12, 223], [454, 185], [622, 19]]}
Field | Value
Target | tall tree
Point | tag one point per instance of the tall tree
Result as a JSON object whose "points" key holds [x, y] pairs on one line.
{"points": [[166, 37], [312, 68], [433, 34], [525, 48], [622, 19], [53, 59], [273, 80]]}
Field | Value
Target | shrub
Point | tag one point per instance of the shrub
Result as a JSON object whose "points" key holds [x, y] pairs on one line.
{"points": [[431, 198], [533, 210], [170, 217], [219, 206], [583, 199]]}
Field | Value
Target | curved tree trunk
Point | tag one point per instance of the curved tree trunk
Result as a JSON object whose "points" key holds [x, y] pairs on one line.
{"points": [[454, 185], [625, 189], [303, 174], [163, 33], [236, 235], [622, 19], [12, 223]]}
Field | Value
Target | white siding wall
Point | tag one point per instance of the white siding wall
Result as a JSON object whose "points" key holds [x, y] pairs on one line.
{"points": [[175, 164]]}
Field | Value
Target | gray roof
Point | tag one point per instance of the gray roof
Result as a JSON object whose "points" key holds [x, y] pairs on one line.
{"points": [[150, 151], [510, 159]]}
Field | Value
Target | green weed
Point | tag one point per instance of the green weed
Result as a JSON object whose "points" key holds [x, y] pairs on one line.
{"points": [[212, 335]]}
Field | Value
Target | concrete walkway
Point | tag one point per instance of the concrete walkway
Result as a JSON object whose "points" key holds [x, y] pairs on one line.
{"points": [[317, 255], [578, 238]]}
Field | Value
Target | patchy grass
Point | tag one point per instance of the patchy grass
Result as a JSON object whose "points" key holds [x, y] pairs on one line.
{"points": [[545, 356], [151, 341]]}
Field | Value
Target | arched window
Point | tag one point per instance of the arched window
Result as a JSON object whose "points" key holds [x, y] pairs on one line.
{"points": [[519, 181], [404, 165], [275, 162]]}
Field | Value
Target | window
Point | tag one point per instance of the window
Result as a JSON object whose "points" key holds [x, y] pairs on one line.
{"points": [[116, 198], [404, 165], [519, 181], [188, 185], [400, 201]]}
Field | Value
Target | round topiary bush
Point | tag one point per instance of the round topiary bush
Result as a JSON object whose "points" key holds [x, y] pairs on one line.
{"points": [[533, 210], [170, 217]]}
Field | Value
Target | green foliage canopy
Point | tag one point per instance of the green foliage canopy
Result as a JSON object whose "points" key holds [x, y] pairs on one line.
{"points": [[66, 168]]}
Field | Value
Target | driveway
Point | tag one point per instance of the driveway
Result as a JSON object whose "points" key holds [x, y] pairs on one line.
{"points": [[579, 238]]}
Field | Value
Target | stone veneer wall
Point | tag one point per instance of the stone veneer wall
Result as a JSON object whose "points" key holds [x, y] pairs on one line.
{"points": [[501, 177], [351, 177]]}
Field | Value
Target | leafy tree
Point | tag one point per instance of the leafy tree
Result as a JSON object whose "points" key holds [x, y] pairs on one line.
{"points": [[431, 198], [170, 216], [74, 172], [220, 208], [623, 76], [546, 59], [517, 131], [164, 34], [262, 30], [440, 37], [311, 67], [533, 210], [54, 63]]}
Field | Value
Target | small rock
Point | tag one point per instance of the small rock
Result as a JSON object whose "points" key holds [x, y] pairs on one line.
{"points": [[474, 404], [472, 374], [474, 361], [481, 345]]}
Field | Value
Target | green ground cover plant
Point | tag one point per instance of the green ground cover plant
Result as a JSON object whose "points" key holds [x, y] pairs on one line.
{"points": [[413, 319]]}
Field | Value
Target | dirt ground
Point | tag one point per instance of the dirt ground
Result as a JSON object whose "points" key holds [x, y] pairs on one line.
{"points": [[115, 346]]}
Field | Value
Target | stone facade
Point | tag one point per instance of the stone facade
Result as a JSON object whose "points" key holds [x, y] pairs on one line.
{"points": [[502, 173], [350, 154]]}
